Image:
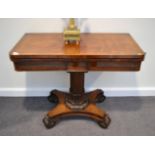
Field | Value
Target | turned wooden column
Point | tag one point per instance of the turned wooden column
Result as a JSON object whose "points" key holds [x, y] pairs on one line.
{"points": [[77, 83]]}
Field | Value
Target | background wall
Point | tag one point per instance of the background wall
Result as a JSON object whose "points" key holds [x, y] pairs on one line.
{"points": [[14, 83]]}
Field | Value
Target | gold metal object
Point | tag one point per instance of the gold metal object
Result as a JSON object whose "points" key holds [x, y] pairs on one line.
{"points": [[72, 33]]}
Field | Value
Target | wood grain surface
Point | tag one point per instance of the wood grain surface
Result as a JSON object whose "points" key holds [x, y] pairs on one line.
{"points": [[96, 52], [102, 45]]}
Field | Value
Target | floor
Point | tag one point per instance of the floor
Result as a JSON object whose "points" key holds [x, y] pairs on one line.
{"points": [[131, 116]]}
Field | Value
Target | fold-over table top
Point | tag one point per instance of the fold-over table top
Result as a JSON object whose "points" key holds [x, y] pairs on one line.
{"points": [[93, 45]]}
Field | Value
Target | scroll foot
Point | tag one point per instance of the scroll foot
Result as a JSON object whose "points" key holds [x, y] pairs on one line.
{"points": [[100, 97], [49, 122], [53, 98], [105, 123]]}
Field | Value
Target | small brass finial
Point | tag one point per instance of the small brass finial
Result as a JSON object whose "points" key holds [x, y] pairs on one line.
{"points": [[72, 33]]}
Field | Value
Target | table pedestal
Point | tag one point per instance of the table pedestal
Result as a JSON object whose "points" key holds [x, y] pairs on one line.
{"points": [[76, 103]]}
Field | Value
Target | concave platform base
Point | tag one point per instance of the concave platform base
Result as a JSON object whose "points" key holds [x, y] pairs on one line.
{"points": [[76, 103]]}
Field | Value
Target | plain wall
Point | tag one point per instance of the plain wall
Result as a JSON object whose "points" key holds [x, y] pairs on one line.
{"points": [[12, 82]]}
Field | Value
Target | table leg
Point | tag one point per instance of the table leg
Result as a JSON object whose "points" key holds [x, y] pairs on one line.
{"points": [[76, 103]]}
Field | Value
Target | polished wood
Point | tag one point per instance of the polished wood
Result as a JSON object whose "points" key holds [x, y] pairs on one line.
{"points": [[90, 110], [96, 52], [77, 82], [77, 103], [91, 46]]}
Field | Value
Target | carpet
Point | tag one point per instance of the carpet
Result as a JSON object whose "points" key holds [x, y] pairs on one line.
{"points": [[131, 116]]}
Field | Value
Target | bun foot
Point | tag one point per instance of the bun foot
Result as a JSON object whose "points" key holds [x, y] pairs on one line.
{"points": [[105, 123], [77, 42], [49, 122]]}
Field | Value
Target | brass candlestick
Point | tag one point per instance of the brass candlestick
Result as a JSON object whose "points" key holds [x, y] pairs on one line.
{"points": [[72, 33]]}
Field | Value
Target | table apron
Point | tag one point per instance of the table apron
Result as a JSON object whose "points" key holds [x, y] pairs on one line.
{"points": [[78, 65]]}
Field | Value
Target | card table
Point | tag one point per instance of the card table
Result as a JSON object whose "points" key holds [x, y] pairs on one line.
{"points": [[96, 52]]}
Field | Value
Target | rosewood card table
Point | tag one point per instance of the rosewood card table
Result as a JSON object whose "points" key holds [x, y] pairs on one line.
{"points": [[96, 52]]}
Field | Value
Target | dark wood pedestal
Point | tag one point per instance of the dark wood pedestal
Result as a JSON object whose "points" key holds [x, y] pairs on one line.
{"points": [[76, 103]]}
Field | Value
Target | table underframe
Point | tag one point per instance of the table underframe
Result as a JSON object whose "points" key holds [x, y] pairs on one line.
{"points": [[76, 102]]}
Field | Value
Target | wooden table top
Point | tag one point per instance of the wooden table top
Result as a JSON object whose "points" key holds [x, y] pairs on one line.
{"points": [[95, 45]]}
